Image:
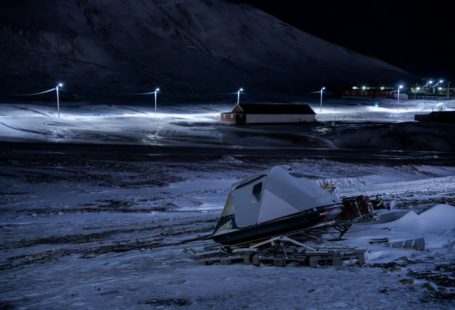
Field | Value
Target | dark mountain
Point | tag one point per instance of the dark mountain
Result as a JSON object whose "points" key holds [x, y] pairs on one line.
{"points": [[187, 47]]}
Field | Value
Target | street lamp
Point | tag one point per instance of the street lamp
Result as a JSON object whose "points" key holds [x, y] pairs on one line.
{"points": [[59, 85], [399, 88], [448, 90], [238, 95], [322, 91], [427, 84], [434, 86], [155, 93]]}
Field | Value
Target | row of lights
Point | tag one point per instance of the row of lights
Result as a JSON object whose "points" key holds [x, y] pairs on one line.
{"points": [[428, 84], [399, 88], [240, 90], [431, 82], [155, 94]]}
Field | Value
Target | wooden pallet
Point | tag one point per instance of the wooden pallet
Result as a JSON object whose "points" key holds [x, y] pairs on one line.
{"points": [[310, 259], [281, 251]]}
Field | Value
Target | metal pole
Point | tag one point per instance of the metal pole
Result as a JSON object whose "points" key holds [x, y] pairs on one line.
{"points": [[448, 90], [58, 102], [320, 110], [238, 96], [398, 97], [155, 99]]}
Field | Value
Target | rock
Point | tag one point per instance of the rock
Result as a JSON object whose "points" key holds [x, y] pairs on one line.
{"points": [[407, 281]]}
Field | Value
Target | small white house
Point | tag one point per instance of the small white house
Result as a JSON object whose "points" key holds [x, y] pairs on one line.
{"points": [[267, 113]]}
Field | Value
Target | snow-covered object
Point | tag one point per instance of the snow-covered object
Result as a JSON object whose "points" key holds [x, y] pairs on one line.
{"points": [[277, 201], [184, 46], [436, 226], [437, 218]]}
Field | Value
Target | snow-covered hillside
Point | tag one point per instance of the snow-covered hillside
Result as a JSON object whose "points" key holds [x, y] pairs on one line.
{"points": [[188, 47]]}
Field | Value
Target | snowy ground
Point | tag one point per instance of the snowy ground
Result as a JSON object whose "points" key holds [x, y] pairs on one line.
{"points": [[81, 232], [358, 125], [385, 110]]}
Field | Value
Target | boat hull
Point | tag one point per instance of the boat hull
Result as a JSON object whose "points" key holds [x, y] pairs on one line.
{"points": [[285, 226]]}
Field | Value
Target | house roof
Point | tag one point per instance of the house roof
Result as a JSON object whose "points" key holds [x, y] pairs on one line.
{"points": [[273, 108]]}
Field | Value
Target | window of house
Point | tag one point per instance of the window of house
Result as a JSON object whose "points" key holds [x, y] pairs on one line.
{"points": [[257, 189]]}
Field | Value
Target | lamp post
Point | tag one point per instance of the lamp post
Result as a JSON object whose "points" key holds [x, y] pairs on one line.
{"points": [[427, 84], [399, 88], [417, 91], [59, 85], [448, 90], [434, 86], [322, 91], [155, 93], [238, 95]]}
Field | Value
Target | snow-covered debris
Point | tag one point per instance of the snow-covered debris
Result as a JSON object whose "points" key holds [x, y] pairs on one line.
{"points": [[432, 230]]}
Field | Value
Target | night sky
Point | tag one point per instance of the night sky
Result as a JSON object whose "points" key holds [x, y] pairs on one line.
{"points": [[417, 36]]}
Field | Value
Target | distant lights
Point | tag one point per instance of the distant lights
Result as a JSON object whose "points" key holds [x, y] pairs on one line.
{"points": [[439, 88], [355, 87], [400, 87], [59, 85], [364, 87], [418, 88], [382, 87]]}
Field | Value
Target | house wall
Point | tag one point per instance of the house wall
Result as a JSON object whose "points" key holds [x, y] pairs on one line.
{"points": [[279, 118], [232, 118], [227, 118]]}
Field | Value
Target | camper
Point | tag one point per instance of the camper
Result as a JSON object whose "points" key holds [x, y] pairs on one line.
{"points": [[278, 201]]}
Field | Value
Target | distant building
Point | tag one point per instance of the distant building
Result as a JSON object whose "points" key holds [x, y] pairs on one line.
{"points": [[369, 93], [267, 113]]}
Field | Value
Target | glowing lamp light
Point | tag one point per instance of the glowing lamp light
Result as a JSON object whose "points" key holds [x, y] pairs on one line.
{"points": [[355, 87], [400, 87], [364, 87], [439, 88], [418, 88], [382, 87]]}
